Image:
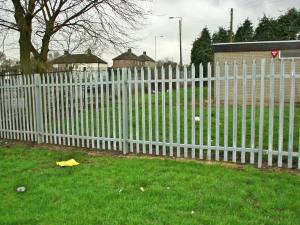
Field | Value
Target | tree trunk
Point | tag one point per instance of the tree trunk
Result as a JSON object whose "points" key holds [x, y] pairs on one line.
{"points": [[25, 24], [41, 65], [25, 43]]}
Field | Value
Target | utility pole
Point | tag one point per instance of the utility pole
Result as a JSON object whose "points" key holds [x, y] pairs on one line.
{"points": [[155, 49], [180, 38], [180, 41], [155, 38], [231, 25]]}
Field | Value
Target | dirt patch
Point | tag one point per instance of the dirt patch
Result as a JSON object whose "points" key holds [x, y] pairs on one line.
{"points": [[102, 153]]}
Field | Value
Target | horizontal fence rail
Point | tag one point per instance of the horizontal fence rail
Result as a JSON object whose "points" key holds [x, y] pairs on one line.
{"points": [[237, 112]]}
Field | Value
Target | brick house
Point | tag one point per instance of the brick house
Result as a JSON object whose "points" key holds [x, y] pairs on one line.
{"points": [[249, 51], [79, 62], [130, 60], [146, 61], [126, 59]]}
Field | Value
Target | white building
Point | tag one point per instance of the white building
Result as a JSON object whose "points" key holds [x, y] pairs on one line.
{"points": [[78, 62]]}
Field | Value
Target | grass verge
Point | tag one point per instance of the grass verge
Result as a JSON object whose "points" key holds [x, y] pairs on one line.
{"points": [[106, 190]]}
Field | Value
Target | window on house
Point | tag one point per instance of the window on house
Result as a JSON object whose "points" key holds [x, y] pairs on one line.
{"points": [[293, 53]]}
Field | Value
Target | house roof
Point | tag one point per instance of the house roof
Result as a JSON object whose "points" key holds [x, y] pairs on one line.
{"points": [[145, 58], [256, 46], [127, 56], [77, 58]]}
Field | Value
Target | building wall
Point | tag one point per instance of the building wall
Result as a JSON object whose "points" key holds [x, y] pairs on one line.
{"points": [[230, 57], [125, 63], [58, 67], [149, 64], [80, 66], [89, 66]]}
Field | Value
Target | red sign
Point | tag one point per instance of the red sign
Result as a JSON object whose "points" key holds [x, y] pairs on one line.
{"points": [[274, 53]]}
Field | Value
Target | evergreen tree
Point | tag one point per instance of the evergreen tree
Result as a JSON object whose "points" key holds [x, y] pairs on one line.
{"points": [[221, 36], [202, 51], [297, 23], [244, 32], [266, 30], [288, 25]]}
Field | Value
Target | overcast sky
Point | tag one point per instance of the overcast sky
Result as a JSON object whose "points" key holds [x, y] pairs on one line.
{"points": [[196, 15]]}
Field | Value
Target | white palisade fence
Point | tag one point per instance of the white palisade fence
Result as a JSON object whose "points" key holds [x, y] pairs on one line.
{"points": [[227, 112]]}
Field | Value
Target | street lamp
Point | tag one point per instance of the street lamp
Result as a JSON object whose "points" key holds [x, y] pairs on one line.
{"points": [[180, 36], [155, 38]]}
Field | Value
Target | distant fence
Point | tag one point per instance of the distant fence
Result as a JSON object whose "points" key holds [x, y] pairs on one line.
{"points": [[162, 112]]}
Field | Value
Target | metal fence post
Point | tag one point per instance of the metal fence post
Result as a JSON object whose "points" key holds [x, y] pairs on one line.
{"points": [[38, 108], [125, 110]]}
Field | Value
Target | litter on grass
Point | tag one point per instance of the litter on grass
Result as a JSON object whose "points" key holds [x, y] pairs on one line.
{"points": [[197, 118], [21, 189], [69, 163]]}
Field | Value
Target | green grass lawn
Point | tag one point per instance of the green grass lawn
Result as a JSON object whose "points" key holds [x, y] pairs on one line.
{"points": [[92, 126], [106, 190]]}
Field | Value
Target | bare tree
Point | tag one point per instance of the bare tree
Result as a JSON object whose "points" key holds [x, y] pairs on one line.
{"points": [[41, 23], [7, 65], [71, 41], [2, 57]]}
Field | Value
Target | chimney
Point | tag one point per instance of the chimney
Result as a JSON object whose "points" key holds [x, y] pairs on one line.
{"points": [[129, 50], [66, 52], [89, 51], [144, 53]]}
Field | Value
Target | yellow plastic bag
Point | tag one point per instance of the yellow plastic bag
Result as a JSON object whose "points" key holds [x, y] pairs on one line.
{"points": [[71, 162]]}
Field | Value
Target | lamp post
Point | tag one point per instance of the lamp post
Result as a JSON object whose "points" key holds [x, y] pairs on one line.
{"points": [[155, 38], [180, 37]]}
